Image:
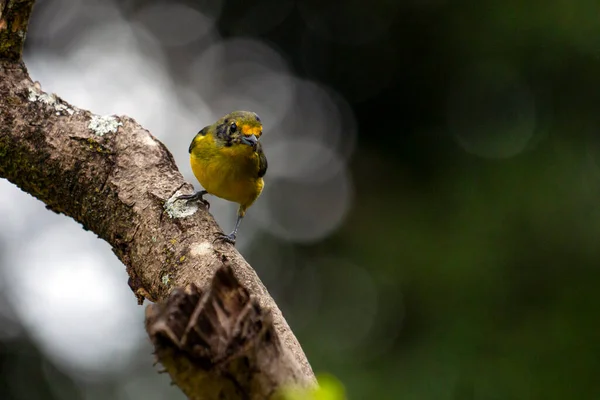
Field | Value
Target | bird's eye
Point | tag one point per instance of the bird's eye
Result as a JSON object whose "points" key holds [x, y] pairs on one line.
{"points": [[233, 127]]}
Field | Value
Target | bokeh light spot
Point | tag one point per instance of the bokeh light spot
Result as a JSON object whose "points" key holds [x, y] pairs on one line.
{"points": [[491, 111], [348, 307], [302, 211], [56, 16], [173, 23], [243, 74], [320, 115], [74, 306], [303, 160]]}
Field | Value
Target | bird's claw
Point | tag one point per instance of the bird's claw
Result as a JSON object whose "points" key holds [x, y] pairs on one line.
{"points": [[195, 197], [226, 238], [206, 203]]}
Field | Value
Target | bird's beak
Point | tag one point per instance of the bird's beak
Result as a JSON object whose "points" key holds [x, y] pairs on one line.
{"points": [[250, 140]]}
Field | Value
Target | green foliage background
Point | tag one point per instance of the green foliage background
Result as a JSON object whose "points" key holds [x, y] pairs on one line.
{"points": [[489, 265]]}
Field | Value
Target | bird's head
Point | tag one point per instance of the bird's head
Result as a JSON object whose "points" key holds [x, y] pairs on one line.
{"points": [[239, 127]]}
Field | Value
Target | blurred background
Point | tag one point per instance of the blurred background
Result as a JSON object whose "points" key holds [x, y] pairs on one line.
{"points": [[430, 220]]}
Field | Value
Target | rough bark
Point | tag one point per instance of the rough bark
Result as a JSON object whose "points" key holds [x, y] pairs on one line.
{"points": [[120, 182]]}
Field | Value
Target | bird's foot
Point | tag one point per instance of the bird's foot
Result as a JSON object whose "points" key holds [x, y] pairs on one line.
{"points": [[198, 196], [226, 238]]}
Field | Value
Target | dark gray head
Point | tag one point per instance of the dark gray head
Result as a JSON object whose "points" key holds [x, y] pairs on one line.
{"points": [[238, 127]]}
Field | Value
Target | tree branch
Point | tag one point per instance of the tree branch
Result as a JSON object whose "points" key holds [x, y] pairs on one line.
{"points": [[118, 181], [14, 19]]}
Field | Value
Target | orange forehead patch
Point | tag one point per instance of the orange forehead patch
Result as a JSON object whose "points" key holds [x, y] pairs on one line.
{"points": [[251, 130]]}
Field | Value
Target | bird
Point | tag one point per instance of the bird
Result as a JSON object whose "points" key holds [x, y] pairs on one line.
{"points": [[228, 160]]}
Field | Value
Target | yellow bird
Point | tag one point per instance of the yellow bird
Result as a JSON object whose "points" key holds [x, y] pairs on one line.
{"points": [[228, 161]]}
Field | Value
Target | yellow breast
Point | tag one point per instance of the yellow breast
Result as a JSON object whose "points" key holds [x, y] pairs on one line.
{"points": [[230, 173]]}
